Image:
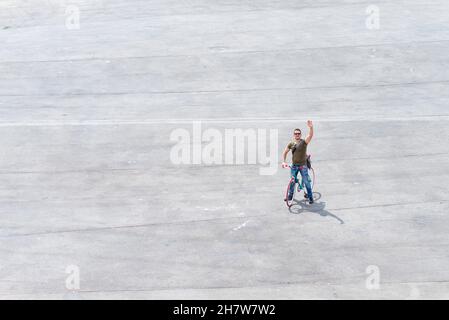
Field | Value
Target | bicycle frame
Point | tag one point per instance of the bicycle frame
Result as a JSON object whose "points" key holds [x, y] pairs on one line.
{"points": [[301, 185]]}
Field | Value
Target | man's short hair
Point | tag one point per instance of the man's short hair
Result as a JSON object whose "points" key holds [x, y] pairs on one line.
{"points": [[297, 129]]}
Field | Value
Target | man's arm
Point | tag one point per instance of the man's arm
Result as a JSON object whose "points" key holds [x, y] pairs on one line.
{"points": [[284, 156], [310, 136]]}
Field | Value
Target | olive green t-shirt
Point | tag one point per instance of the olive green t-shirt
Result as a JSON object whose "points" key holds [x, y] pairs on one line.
{"points": [[299, 152]]}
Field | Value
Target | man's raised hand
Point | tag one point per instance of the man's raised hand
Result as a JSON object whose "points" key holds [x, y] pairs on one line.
{"points": [[310, 135]]}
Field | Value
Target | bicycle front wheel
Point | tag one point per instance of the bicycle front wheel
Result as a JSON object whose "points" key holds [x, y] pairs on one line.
{"points": [[291, 185]]}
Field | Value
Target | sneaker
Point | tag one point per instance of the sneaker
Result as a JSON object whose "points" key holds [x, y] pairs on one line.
{"points": [[311, 201], [290, 197], [306, 196]]}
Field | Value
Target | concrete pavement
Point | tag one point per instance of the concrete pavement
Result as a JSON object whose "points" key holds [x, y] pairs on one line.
{"points": [[87, 182]]}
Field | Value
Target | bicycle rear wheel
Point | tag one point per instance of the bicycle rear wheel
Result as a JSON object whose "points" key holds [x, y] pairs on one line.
{"points": [[312, 177]]}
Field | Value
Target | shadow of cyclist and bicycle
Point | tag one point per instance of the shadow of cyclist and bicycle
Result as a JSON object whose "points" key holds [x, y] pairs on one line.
{"points": [[300, 206]]}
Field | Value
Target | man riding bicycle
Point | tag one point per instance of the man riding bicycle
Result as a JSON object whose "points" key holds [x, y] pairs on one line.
{"points": [[299, 160]]}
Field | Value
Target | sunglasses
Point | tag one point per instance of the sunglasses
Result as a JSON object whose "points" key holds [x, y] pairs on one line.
{"points": [[297, 133]]}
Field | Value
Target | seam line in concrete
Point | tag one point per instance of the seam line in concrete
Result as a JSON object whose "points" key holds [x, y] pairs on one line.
{"points": [[226, 52], [215, 120], [355, 86], [199, 221]]}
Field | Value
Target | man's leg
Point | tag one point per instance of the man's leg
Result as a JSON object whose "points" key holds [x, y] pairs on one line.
{"points": [[305, 177], [294, 174]]}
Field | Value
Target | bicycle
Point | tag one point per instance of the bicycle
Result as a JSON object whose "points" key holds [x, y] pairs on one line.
{"points": [[301, 186]]}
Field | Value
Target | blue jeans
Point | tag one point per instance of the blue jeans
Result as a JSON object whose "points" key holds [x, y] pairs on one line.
{"points": [[304, 176]]}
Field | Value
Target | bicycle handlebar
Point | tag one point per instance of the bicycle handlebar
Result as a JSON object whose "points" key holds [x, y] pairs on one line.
{"points": [[289, 166]]}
